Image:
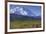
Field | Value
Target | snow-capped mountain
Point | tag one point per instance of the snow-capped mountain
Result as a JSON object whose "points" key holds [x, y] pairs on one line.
{"points": [[25, 12]]}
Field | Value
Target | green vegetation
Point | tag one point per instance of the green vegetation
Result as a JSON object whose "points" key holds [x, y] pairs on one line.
{"points": [[16, 24]]}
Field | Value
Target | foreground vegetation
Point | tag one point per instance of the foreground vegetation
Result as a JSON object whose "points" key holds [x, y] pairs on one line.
{"points": [[16, 24]]}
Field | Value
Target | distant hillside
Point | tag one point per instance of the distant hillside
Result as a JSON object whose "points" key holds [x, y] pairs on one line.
{"points": [[16, 16]]}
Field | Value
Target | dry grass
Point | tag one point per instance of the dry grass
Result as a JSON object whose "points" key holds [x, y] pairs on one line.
{"points": [[25, 24]]}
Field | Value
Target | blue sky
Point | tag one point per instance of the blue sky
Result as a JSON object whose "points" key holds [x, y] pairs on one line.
{"points": [[26, 10]]}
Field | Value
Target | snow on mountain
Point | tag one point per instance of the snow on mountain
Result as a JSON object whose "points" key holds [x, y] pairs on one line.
{"points": [[25, 10], [18, 10]]}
